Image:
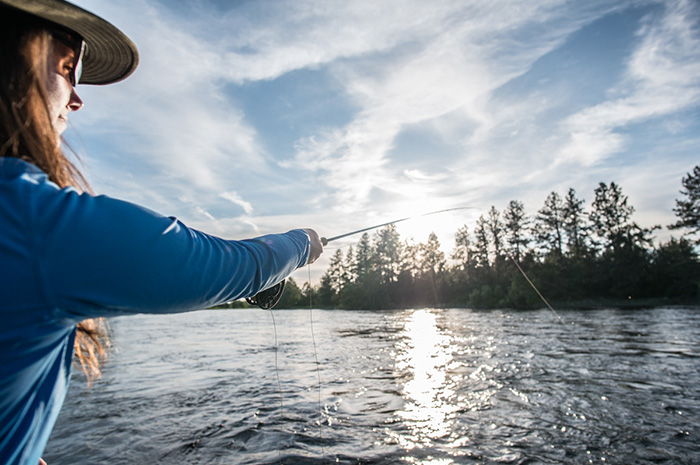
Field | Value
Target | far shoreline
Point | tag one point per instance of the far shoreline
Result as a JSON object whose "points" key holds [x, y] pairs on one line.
{"points": [[580, 305]]}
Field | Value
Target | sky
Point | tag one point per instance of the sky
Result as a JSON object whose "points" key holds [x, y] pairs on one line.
{"points": [[253, 117]]}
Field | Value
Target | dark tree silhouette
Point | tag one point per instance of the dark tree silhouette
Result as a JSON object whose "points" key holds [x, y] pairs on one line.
{"points": [[688, 210], [382, 271], [549, 225], [516, 225]]}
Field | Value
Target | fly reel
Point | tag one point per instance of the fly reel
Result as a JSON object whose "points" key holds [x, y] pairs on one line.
{"points": [[269, 297]]}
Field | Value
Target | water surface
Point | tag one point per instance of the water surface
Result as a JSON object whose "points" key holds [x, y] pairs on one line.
{"points": [[430, 386]]}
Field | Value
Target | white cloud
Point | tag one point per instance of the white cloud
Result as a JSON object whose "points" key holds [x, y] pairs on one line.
{"points": [[292, 35], [462, 57], [206, 214], [663, 77], [172, 114], [236, 199], [436, 66]]}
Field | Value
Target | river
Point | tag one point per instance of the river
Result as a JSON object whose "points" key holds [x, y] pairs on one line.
{"points": [[427, 386]]}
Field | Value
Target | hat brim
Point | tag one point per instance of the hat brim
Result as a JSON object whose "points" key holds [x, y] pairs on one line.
{"points": [[110, 55]]}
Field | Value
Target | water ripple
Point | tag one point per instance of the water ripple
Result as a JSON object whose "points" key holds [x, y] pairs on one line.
{"points": [[430, 386]]}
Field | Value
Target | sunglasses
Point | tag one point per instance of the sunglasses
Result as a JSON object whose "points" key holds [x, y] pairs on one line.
{"points": [[78, 46]]}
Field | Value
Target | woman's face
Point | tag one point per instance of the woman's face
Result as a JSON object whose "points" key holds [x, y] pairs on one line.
{"points": [[62, 98]]}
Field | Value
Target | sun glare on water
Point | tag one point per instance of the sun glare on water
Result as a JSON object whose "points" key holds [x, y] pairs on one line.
{"points": [[429, 394]]}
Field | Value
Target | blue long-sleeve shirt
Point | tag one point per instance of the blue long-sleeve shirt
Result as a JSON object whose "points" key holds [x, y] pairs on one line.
{"points": [[66, 256]]}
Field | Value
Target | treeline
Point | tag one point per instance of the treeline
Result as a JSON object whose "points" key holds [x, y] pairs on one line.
{"points": [[573, 255]]}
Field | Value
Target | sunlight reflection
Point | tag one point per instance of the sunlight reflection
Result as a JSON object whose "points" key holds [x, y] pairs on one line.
{"points": [[424, 356], [429, 461]]}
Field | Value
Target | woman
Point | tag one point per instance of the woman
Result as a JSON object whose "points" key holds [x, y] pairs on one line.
{"points": [[69, 258]]}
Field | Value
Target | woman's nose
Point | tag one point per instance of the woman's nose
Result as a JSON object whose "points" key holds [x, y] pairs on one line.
{"points": [[75, 103]]}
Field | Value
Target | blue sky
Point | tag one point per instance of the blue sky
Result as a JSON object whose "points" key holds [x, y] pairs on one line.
{"points": [[251, 117]]}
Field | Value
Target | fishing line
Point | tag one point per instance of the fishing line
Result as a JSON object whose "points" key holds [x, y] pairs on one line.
{"points": [[268, 298], [537, 290], [318, 369], [260, 301], [325, 241], [279, 387]]}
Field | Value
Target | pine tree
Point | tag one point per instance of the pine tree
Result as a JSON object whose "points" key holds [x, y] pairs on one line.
{"points": [[409, 270], [364, 255], [610, 215], [676, 270], [624, 267], [549, 225], [432, 264], [350, 266], [387, 254], [460, 254], [336, 272], [327, 297], [574, 224], [432, 258], [516, 222], [688, 210], [495, 229], [481, 246], [410, 263]]}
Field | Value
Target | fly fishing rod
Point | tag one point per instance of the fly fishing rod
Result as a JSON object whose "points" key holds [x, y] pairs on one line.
{"points": [[325, 241], [268, 298]]}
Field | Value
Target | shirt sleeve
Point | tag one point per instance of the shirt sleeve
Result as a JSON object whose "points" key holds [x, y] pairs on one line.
{"points": [[99, 256]]}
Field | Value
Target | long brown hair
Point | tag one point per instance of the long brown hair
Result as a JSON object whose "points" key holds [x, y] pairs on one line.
{"points": [[27, 133]]}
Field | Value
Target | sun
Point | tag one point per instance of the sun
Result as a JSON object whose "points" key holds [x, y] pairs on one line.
{"points": [[444, 224]]}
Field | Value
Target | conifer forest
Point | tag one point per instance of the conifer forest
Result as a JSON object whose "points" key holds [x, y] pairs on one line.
{"points": [[575, 254]]}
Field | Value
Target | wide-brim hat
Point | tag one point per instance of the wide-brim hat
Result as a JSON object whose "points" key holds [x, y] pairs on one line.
{"points": [[110, 55]]}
